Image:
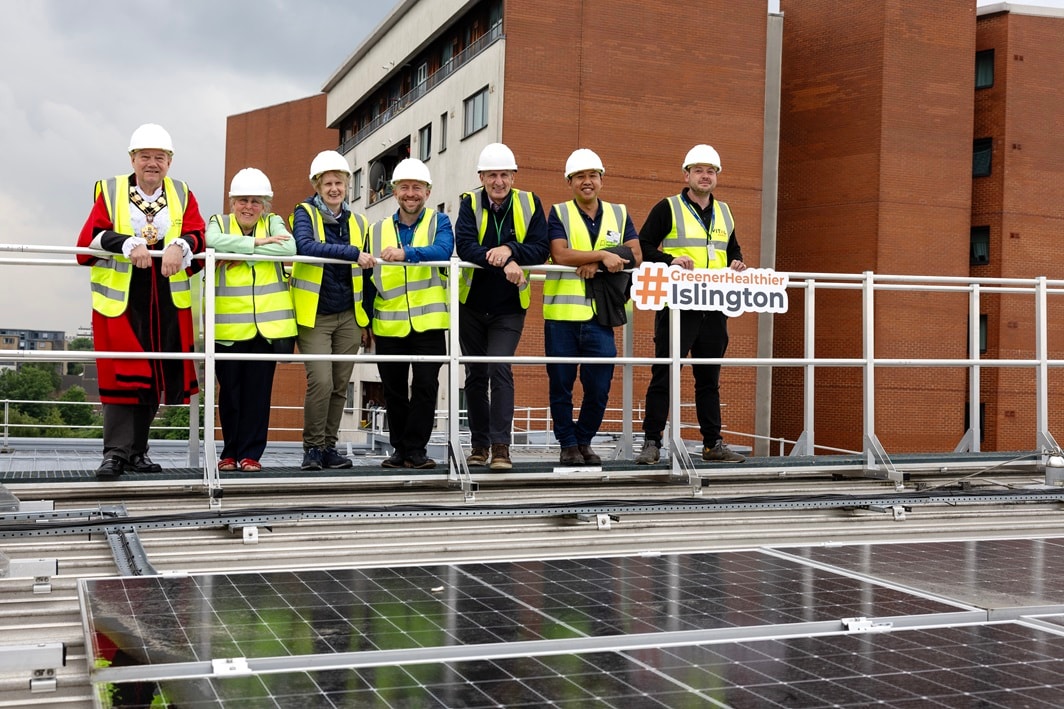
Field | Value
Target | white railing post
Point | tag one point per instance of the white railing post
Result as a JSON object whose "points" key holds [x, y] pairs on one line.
{"points": [[210, 466]]}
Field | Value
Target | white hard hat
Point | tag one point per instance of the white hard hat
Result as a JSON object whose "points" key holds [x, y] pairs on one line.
{"points": [[702, 155], [496, 156], [412, 169], [328, 161], [149, 136], [250, 182], [583, 159]]}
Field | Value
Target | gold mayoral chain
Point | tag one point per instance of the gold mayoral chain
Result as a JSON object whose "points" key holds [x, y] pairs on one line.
{"points": [[150, 232]]}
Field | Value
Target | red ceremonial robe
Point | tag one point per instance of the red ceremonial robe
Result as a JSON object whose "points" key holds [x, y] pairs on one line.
{"points": [[150, 323]]}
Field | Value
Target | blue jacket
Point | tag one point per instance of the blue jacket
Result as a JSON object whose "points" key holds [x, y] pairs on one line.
{"points": [[335, 295]]}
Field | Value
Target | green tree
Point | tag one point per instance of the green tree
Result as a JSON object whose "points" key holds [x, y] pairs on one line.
{"points": [[78, 344], [32, 383], [175, 418], [78, 415]]}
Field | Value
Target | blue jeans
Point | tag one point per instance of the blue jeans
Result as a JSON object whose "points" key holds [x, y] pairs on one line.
{"points": [[572, 341]]}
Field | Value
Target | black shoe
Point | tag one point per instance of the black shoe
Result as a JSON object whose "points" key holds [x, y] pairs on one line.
{"points": [[331, 458], [110, 469], [142, 464], [395, 460], [416, 460], [311, 459]]}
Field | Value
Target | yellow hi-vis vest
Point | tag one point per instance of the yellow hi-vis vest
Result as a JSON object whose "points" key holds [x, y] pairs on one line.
{"points": [[251, 297], [306, 277], [524, 206], [706, 245], [409, 297], [109, 278], [565, 293]]}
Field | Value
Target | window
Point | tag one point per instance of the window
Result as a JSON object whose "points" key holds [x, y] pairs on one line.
{"points": [[982, 150], [476, 113], [443, 131], [983, 324], [422, 73], [424, 143], [984, 69], [356, 185], [980, 246]]}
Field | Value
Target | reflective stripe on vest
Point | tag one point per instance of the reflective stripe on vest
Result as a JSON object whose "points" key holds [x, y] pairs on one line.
{"points": [[565, 293], [689, 237], [306, 277], [524, 206], [110, 277], [251, 297], [408, 297]]}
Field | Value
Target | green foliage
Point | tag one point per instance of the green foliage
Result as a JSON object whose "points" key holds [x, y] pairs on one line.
{"points": [[175, 417], [38, 382], [50, 370], [78, 344], [30, 384], [79, 415]]}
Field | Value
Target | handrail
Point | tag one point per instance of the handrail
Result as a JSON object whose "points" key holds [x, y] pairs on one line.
{"points": [[868, 284]]}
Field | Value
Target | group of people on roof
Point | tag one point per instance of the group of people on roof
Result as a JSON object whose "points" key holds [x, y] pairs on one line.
{"points": [[376, 291]]}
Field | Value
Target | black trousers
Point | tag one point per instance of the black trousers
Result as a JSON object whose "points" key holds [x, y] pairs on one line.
{"points": [[703, 333], [491, 415], [244, 392], [411, 402]]}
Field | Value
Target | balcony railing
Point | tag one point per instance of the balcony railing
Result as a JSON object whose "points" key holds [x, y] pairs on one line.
{"points": [[404, 102]]}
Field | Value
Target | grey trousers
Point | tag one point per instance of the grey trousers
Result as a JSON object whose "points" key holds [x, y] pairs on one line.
{"points": [[126, 428], [323, 405]]}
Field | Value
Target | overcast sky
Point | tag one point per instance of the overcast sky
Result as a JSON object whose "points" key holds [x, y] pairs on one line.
{"points": [[76, 78]]}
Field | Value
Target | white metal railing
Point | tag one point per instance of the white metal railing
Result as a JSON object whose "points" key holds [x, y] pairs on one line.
{"points": [[866, 284]]}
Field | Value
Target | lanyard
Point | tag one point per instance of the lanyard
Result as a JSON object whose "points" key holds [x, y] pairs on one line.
{"points": [[698, 217], [407, 238], [500, 222]]}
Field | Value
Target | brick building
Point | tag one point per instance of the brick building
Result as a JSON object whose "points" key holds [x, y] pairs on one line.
{"points": [[1017, 205], [877, 149], [441, 80]]}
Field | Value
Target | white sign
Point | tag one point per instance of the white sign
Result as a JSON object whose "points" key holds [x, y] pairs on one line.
{"points": [[755, 290]]}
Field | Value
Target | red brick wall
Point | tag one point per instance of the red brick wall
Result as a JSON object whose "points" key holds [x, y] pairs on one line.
{"points": [[640, 85], [875, 164], [281, 141], [1021, 203]]}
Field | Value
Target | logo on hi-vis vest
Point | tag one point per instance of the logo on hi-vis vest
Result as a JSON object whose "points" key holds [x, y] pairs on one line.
{"points": [[755, 290]]}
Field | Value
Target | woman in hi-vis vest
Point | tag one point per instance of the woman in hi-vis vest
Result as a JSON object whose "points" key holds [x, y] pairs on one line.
{"points": [[328, 302], [253, 314]]}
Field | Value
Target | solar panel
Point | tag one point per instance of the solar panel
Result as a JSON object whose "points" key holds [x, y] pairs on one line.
{"points": [[988, 573], [993, 665], [736, 628]]}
